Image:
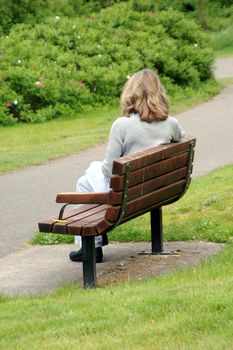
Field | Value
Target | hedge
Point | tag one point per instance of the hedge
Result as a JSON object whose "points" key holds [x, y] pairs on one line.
{"points": [[65, 65]]}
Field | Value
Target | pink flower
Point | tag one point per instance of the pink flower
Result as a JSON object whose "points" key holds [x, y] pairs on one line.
{"points": [[81, 83], [8, 104], [39, 85]]}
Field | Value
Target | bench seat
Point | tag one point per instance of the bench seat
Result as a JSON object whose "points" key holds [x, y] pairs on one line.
{"points": [[88, 220]]}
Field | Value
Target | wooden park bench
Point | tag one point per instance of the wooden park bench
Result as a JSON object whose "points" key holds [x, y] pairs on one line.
{"points": [[142, 182]]}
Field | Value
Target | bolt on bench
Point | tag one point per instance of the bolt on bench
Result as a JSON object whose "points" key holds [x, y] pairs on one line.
{"points": [[142, 182]]}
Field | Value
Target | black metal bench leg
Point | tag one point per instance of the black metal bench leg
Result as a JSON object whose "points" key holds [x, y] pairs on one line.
{"points": [[156, 230], [89, 262]]}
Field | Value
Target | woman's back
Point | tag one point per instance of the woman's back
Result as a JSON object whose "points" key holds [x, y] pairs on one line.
{"points": [[130, 134]]}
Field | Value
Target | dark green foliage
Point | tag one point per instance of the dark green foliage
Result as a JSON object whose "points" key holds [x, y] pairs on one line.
{"points": [[141, 5], [36, 11], [225, 2], [27, 11], [210, 14], [64, 65]]}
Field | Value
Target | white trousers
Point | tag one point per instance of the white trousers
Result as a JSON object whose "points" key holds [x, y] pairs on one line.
{"points": [[92, 181]]}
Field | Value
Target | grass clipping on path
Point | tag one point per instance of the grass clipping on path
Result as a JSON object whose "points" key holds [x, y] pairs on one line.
{"points": [[204, 213]]}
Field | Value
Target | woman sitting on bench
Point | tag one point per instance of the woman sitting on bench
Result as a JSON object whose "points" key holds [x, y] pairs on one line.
{"points": [[145, 123]]}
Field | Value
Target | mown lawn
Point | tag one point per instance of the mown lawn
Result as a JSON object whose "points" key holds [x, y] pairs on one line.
{"points": [[222, 42], [189, 309], [204, 213]]}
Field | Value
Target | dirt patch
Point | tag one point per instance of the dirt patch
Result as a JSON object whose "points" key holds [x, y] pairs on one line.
{"points": [[140, 265]]}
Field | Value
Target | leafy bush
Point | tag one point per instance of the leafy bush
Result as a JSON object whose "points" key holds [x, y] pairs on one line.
{"points": [[212, 15], [69, 64], [27, 11]]}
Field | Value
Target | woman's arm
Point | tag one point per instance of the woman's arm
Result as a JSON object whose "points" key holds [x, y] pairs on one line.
{"points": [[114, 149], [178, 131]]}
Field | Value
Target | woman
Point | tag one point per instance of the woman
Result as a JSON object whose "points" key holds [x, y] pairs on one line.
{"points": [[145, 123]]}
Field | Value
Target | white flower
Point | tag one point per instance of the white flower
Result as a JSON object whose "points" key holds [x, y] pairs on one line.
{"points": [[15, 102], [19, 61], [195, 45], [78, 36], [99, 55], [128, 76], [74, 26], [57, 18]]}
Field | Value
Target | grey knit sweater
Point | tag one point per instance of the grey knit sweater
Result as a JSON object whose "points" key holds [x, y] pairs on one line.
{"points": [[129, 135]]}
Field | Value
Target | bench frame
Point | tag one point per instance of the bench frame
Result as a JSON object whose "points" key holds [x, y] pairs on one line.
{"points": [[156, 222]]}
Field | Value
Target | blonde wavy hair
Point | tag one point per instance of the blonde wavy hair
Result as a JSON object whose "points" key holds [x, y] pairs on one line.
{"points": [[144, 94]]}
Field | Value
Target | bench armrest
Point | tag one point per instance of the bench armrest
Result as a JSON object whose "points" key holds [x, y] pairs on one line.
{"points": [[83, 198]]}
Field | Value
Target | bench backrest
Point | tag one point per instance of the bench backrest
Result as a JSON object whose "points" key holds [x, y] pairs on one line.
{"points": [[149, 179]]}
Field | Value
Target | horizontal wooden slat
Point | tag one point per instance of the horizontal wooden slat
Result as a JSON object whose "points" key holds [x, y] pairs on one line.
{"points": [[103, 226], [47, 225], [115, 198], [96, 227], [151, 155], [83, 198], [152, 185], [77, 227], [148, 200], [157, 205], [62, 227], [152, 171], [153, 197]]}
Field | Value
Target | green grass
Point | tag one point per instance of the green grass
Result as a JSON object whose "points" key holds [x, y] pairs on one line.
{"points": [[50, 239], [225, 81], [189, 309], [222, 42], [204, 213], [185, 310], [27, 144], [188, 98], [23, 145]]}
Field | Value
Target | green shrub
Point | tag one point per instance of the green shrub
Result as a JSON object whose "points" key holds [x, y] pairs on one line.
{"points": [[212, 15], [141, 5], [71, 64], [27, 11]]}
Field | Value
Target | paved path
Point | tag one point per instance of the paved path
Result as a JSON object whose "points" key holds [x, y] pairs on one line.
{"points": [[224, 67], [28, 195], [43, 269]]}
